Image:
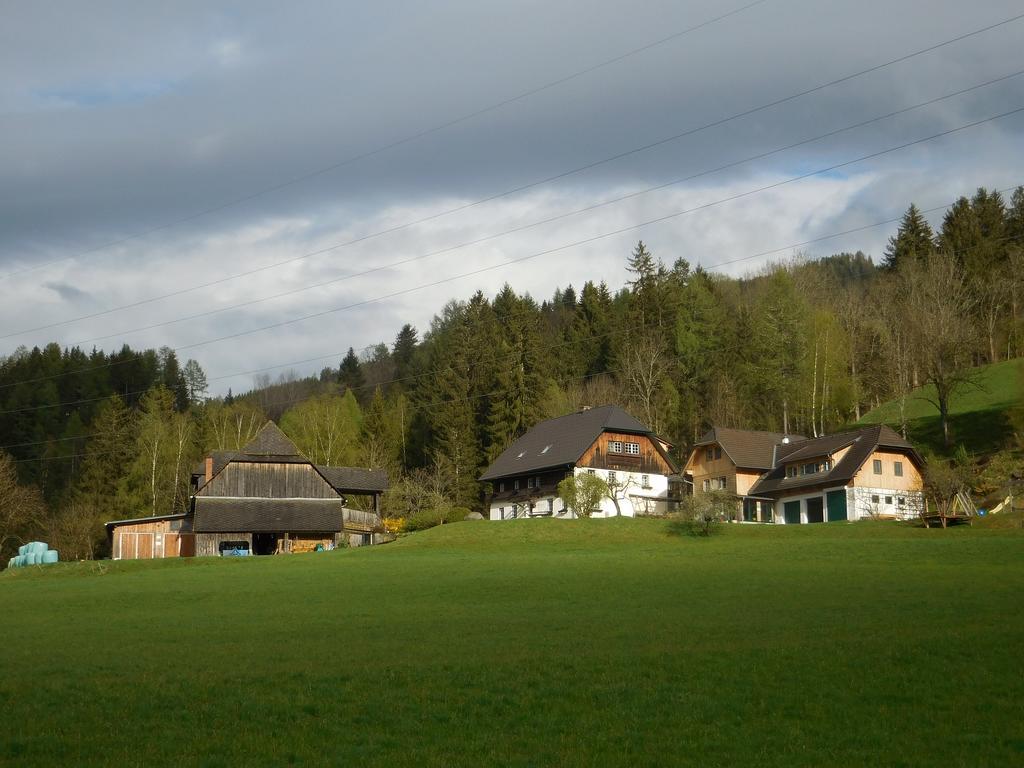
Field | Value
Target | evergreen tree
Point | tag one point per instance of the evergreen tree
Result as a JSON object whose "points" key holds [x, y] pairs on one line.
{"points": [[912, 241], [351, 372], [195, 382], [403, 350]]}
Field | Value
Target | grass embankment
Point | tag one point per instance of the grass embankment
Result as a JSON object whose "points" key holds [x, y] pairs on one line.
{"points": [[605, 642], [979, 415]]}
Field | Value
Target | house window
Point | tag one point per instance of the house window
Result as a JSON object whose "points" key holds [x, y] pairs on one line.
{"points": [[645, 481], [901, 501], [897, 468], [515, 511], [529, 482], [615, 446], [633, 449], [877, 466], [501, 513], [591, 472], [710, 453], [874, 498], [515, 485], [791, 471], [611, 476], [707, 484], [825, 466], [551, 505], [501, 487], [721, 483], [888, 499], [536, 481], [808, 469]]}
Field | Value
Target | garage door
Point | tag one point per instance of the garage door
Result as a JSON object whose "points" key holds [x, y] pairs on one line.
{"points": [[836, 501], [791, 512], [816, 510]]}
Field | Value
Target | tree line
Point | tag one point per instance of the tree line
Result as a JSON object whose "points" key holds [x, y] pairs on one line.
{"points": [[802, 346]]}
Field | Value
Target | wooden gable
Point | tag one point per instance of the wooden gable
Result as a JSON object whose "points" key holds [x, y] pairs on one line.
{"points": [[650, 460], [269, 480]]}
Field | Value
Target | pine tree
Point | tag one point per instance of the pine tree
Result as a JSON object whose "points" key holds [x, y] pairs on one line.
{"points": [[403, 349], [912, 241], [350, 374]]}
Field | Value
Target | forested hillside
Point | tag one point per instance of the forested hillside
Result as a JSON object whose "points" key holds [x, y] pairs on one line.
{"points": [[804, 346]]}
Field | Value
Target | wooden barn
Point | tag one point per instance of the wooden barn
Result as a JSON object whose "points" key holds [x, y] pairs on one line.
{"points": [[265, 499]]}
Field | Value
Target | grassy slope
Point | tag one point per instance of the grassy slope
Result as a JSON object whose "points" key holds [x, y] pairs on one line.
{"points": [[530, 643], [978, 414]]}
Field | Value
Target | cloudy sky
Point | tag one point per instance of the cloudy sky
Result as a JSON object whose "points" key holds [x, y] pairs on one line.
{"points": [[326, 160]]}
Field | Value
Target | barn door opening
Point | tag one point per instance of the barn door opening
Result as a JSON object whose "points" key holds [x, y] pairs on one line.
{"points": [[264, 543]]}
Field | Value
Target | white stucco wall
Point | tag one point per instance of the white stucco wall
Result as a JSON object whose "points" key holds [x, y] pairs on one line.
{"points": [[859, 504], [633, 500]]}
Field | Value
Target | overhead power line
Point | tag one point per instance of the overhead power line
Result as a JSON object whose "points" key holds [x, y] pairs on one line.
{"points": [[395, 144], [556, 249], [524, 187], [338, 353], [544, 221]]}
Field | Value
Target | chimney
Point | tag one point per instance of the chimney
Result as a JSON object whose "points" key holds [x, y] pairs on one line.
{"points": [[209, 469]]}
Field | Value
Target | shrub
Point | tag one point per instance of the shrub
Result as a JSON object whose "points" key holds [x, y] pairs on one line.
{"points": [[582, 494]]}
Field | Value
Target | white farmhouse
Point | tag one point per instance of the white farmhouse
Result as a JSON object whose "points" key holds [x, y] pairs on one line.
{"points": [[605, 441]]}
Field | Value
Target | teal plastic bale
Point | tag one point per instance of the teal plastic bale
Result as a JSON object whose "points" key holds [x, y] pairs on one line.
{"points": [[38, 547], [19, 561], [23, 549], [50, 556]]}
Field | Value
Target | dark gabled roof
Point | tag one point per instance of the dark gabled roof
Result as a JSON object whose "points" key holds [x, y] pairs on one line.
{"points": [[354, 479], [218, 514], [271, 441], [562, 441], [151, 519], [747, 448], [862, 443]]}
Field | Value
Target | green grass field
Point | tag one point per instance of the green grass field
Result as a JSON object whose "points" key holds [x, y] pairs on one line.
{"points": [[979, 415], [604, 642]]}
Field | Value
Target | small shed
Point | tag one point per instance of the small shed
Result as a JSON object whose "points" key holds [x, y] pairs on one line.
{"points": [[145, 538]]}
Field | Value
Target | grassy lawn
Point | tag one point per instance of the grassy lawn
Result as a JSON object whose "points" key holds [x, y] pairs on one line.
{"points": [[605, 642], [979, 416]]}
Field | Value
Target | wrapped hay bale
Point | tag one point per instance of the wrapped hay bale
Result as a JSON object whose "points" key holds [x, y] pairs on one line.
{"points": [[50, 556]]}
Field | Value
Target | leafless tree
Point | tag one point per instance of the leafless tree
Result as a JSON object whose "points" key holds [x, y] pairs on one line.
{"points": [[21, 506], [644, 368], [939, 310]]}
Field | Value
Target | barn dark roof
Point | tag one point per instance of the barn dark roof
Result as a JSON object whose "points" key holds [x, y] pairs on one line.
{"points": [[746, 448], [271, 441], [217, 514], [271, 445], [562, 441], [862, 443], [354, 479]]}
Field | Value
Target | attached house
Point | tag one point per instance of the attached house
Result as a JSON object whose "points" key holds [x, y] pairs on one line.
{"points": [[265, 499], [732, 460], [604, 441], [869, 472]]}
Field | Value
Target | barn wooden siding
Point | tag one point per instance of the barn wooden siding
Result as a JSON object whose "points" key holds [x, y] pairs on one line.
{"points": [[208, 544], [269, 481], [649, 462], [144, 541]]}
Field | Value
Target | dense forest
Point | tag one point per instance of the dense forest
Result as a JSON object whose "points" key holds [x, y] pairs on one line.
{"points": [[804, 346]]}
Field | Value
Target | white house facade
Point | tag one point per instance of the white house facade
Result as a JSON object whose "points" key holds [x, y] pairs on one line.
{"points": [[604, 441]]}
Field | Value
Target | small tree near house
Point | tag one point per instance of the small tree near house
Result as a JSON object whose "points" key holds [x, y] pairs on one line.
{"points": [[582, 494], [701, 513]]}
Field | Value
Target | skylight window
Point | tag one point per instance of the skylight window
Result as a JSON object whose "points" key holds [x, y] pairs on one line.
{"points": [[521, 455], [546, 449]]}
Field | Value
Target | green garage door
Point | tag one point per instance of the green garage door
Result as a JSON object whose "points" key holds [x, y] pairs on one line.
{"points": [[791, 512], [836, 505]]}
